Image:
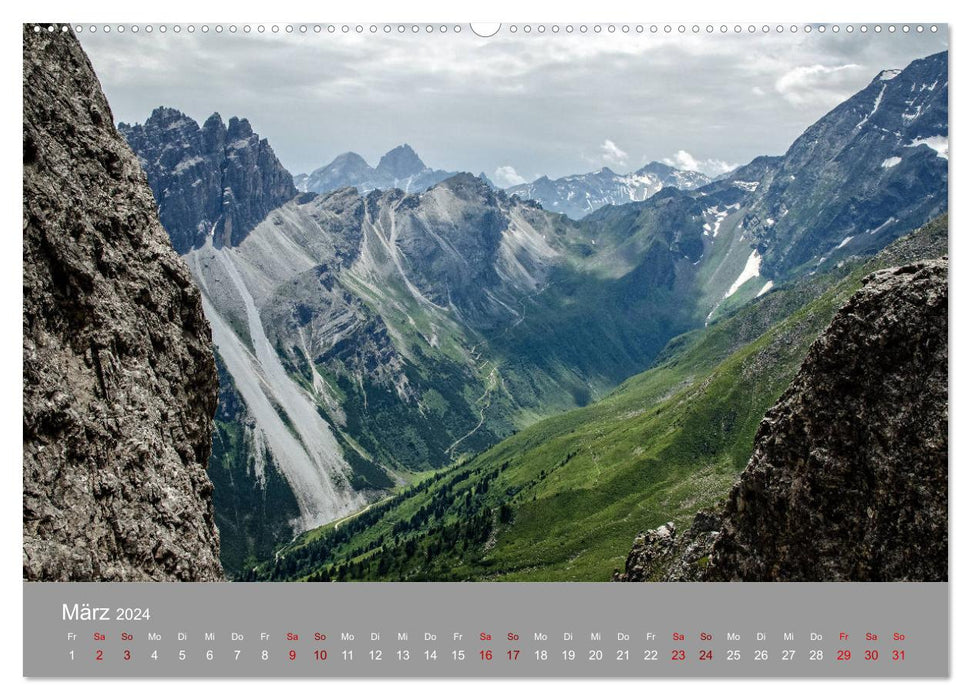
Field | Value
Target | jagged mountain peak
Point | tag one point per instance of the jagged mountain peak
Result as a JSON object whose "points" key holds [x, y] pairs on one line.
{"points": [[220, 180], [462, 179], [890, 138], [894, 102], [239, 128], [467, 188], [400, 162], [163, 116], [399, 168], [487, 180]]}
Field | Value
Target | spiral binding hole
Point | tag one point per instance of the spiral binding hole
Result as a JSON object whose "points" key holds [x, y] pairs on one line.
{"points": [[597, 29]]}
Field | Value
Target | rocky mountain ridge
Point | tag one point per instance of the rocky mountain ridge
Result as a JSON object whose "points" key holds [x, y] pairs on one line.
{"points": [[875, 163], [872, 169], [219, 180]]}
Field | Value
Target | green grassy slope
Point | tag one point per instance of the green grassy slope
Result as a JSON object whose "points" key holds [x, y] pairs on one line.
{"points": [[563, 499]]}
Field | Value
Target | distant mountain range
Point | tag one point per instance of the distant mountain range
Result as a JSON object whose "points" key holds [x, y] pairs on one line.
{"points": [[574, 195], [365, 335], [579, 195], [399, 168]]}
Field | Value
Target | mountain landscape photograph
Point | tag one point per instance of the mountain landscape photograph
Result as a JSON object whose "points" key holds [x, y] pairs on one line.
{"points": [[396, 305]]}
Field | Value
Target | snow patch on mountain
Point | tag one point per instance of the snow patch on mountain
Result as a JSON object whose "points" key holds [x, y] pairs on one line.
{"points": [[876, 106], [882, 226], [750, 271], [936, 143], [717, 215]]}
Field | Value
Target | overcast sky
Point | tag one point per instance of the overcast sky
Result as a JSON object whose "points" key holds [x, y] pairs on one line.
{"points": [[514, 106]]}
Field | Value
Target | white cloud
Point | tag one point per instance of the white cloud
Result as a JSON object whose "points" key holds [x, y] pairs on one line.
{"points": [[506, 176], [612, 153], [709, 166], [683, 160], [808, 84]]}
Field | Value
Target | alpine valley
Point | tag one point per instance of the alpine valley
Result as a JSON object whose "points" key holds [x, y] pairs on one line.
{"points": [[423, 376]]}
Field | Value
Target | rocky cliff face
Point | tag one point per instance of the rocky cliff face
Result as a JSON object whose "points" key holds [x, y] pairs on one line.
{"points": [[119, 381], [848, 479], [218, 180]]}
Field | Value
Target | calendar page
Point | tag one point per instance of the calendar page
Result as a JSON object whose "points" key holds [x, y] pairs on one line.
{"points": [[485, 350]]}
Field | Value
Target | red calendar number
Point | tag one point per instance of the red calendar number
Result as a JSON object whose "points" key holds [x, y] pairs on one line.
{"points": [[99, 655], [704, 655], [678, 655], [293, 655], [843, 655]]}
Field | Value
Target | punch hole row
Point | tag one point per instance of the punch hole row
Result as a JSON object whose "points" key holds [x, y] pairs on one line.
{"points": [[512, 28]]}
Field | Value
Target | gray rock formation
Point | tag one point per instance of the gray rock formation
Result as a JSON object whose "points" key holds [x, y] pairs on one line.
{"points": [[220, 180], [848, 478], [119, 381], [664, 555]]}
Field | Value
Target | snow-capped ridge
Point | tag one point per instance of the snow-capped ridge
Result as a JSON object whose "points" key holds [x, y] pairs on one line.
{"points": [[581, 194]]}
